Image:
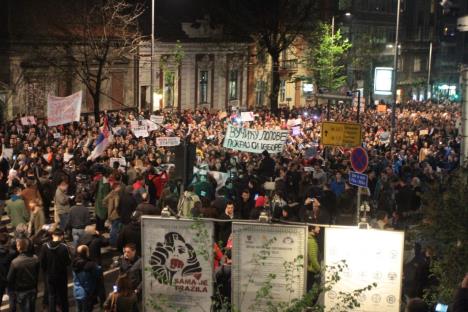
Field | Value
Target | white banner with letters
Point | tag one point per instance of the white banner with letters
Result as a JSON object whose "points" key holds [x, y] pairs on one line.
{"points": [[372, 256], [168, 141], [255, 141], [178, 264], [140, 131], [63, 110], [157, 119], [262, 249]]}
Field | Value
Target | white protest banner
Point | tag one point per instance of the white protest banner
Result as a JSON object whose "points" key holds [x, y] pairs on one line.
{"points": [[28, 120], [177, 263], [134, 124], [7, 152], [372, 256], [63, 110], [140, 131], [280, 246], [57, 135], [121, 160], [152, 126], [294, 122], [167, 141], [247, 116], [157, 119], [255, 141]]}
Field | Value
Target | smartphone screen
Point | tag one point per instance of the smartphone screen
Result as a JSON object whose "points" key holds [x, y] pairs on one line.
{"points": [[440, 307]]}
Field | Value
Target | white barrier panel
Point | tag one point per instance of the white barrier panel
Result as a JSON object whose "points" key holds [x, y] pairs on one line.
{"points": [[178, 264], [372, 256], [279, 244]]}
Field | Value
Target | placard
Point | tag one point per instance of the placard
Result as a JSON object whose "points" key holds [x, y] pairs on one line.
{"points": [[157, 119], [255, 141], [134, 124], [140, 131], [57, 135], [121, 160], [372, 256], [7, 153], [423, 132], [381, 108], [28, 120], [247, 116], [281, 245], [152, 126], [168, 141], [178, 262], [63, 110]]}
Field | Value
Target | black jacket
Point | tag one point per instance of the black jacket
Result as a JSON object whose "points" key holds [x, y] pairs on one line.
{"points": [[133, 271], [79, 217], [23, 273], [127, 205], [131, 233], [55, 258], [94, 243], [6, 256]]}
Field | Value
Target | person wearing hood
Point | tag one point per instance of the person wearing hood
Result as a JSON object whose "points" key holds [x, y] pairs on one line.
{"points": [[131, 233], [16, 209], [55, 259], [85, 279]]}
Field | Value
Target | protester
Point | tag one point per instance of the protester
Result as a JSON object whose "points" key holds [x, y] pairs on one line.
{"points": [[86, 275], [130, 264], [123, 299], [6, 256], [78, 219], [16, 209], [62, 204]]}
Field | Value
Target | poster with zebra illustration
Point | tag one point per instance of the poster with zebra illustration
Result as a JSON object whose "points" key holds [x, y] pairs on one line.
{"points": [[178, 264]]}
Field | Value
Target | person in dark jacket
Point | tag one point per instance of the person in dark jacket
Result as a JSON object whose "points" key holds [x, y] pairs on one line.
{"points": [[267, 166], [222, 285], [131, 233], [22, 279], [85, 279], [55, 259], [127, 205], [245, 204], [6, 256], [130, 264], [124, 298], [145, 208], [78, 219], [95, 241]]}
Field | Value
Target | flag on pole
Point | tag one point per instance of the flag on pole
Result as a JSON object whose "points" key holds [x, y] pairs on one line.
{"points": [[102, 141]]}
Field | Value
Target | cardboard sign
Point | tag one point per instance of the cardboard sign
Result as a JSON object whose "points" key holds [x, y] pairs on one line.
{"points": [[423, 132], [140, 131], [255, 141], [168, 141], [28, 120], [120, 160], [157, 119]]}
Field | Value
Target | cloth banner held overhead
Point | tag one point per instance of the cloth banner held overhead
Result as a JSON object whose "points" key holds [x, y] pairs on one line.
{"points": [[255, 141], [63, 110]]}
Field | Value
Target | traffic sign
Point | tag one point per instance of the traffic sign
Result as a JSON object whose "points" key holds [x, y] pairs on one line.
{"points": [[359, 159], [358, 179], [344, 134]]}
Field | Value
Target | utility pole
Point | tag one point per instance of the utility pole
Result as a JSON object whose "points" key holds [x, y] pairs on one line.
{"points": [[464, 116], [429, 69], [152, 57], [394, 76]]}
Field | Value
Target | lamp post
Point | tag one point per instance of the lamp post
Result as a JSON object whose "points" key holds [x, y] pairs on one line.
{"points": [[394, 76], [152, 57]]}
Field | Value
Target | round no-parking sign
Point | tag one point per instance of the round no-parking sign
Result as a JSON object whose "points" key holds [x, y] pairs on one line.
{"points": [[359, 159]]}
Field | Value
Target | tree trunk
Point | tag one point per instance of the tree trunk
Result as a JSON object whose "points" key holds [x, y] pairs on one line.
{"points": [[275, 82], [96, 100]]}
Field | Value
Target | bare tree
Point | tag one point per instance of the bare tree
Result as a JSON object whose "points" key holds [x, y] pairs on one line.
{"points": [[93, 40], [274, 25]]}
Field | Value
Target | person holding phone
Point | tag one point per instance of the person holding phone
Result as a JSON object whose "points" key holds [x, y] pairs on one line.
{"points": [[122, 298]]}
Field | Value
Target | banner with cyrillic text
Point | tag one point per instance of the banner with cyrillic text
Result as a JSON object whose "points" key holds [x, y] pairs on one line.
{"points": [[63, 110], [177, 264], [255, 141], [168, 141]]}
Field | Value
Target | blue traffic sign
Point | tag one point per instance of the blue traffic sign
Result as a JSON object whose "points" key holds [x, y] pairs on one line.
{"points": [[358, 179]]}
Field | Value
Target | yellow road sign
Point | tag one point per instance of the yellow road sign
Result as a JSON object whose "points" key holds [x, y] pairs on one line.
{"points": [[343, 134]]}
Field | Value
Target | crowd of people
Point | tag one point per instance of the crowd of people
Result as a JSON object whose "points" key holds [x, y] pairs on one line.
{"points": [[61, 203]]}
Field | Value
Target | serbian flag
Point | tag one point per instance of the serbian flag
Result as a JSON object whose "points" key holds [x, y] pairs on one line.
{"points": [[102, 142]]}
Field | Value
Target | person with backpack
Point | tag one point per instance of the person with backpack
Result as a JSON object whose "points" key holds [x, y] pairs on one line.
{"points": [[85, 279], [123, 298]]}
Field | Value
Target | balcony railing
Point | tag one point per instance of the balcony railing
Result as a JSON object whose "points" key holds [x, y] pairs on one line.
{"points": [[289, 65]]}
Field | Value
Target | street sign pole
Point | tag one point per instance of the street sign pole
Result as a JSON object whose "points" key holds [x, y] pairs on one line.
{"points": [[358, 219], [359, 162]]}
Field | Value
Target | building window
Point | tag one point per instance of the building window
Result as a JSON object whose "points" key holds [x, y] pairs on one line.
{"points": [[417, 65], [169, 89], [203, 85], [233, 76], [282, 90], [260, 93]]}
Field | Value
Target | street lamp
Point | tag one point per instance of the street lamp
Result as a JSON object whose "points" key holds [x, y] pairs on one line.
{"points": [[394, 76], [348, 14]]}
